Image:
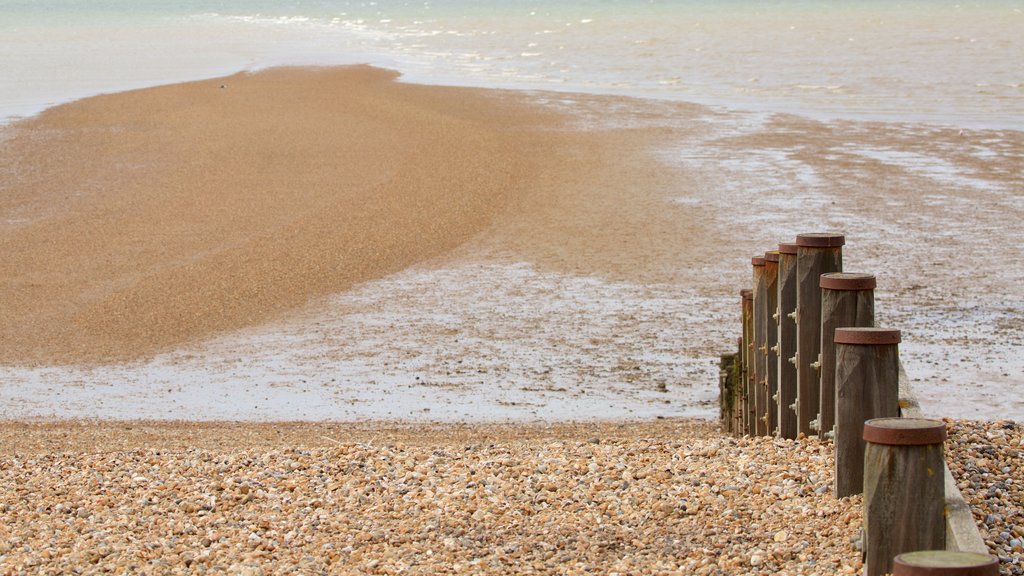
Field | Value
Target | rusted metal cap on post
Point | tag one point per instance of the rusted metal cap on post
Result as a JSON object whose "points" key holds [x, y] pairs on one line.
{"points": [[787, 248], [747, 294], [771, 256], [820, 240], [904, 431], [867, 336], [945, 563], [757, 261], [847, 281]]}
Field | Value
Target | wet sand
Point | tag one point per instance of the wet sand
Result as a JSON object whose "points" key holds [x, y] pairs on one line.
{"points": [[332, 245], [141, 221], [540, 256]]}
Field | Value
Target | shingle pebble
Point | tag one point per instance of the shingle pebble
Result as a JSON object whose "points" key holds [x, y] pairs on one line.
{"points": [[665, 500], [985, 460]]}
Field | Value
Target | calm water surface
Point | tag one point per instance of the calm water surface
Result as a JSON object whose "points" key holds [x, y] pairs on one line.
{"points": [[945, 62]]}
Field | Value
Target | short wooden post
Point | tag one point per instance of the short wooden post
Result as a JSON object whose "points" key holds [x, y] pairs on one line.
{"points": [[747, 403], [904, 490], [847, 300], [945, 563], [727, 391], [737, 389], [867, 386], [760, 394], [771, 339], [817, 254], [786, 352]]}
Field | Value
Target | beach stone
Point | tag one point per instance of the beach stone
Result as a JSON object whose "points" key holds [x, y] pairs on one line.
{"points": [[422, 503]]}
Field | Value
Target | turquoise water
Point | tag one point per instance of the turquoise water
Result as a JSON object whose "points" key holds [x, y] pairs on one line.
{"points": [[944, 62]]}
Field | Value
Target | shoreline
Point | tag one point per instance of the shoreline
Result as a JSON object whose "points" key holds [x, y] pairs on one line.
{"points": [[30, 112], [613, 276]]}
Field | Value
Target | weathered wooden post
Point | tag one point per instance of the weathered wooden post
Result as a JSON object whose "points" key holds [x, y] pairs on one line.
{"points": [[847, 300], [945, 563], [723, 392], [786, 352], [771, 371], [760, 392], [737, 390], [904, 490], [817, 254], [727, 391], [867, 386], [747, 403]]}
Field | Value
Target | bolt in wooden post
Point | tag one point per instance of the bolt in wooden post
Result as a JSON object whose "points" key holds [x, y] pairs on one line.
{"points": [[867, 386], [847, 300], [747, 403], [944, 563], [786, 353], [771, 339], [817, 254], [904, 490], [760, 392]]}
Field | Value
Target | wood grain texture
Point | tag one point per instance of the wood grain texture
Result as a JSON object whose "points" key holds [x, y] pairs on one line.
{"points": [[811, 263], [747, 404], [839, 309], [727, 391], [867, 386], [904, 502], [760, 330], [787, 345], [771, 338]]}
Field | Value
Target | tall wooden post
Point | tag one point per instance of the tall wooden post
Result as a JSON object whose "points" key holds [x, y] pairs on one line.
{"points": [[786, 353], [747, 402], [867, 386], [760, 392], [904, 490], [847, 300], [944, 563], [817, 254], [771, 339]]}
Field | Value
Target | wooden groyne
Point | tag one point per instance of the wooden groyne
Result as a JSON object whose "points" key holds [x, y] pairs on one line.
{"points": [[811, 362]]}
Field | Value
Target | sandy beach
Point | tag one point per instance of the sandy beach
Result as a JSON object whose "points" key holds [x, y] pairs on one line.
{"points": [[318, 319], [328, 244]]}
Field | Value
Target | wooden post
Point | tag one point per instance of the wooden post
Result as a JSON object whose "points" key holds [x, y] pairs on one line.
{"points": [[817, 254], [787, 341], [867, 386], [737, 390], [945, 563], [760, 392], [771, 339], [747, 403], [847, 300], [904, 490], [727, 391], [723, 393]]}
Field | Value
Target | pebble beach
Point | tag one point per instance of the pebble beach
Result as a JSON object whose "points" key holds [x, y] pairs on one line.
{"points": [[440, 288], [985, 459], [662, 497], [665, 497]]}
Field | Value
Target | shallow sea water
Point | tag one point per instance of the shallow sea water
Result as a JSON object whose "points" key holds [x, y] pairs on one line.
{"points": [[950, 63]]}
